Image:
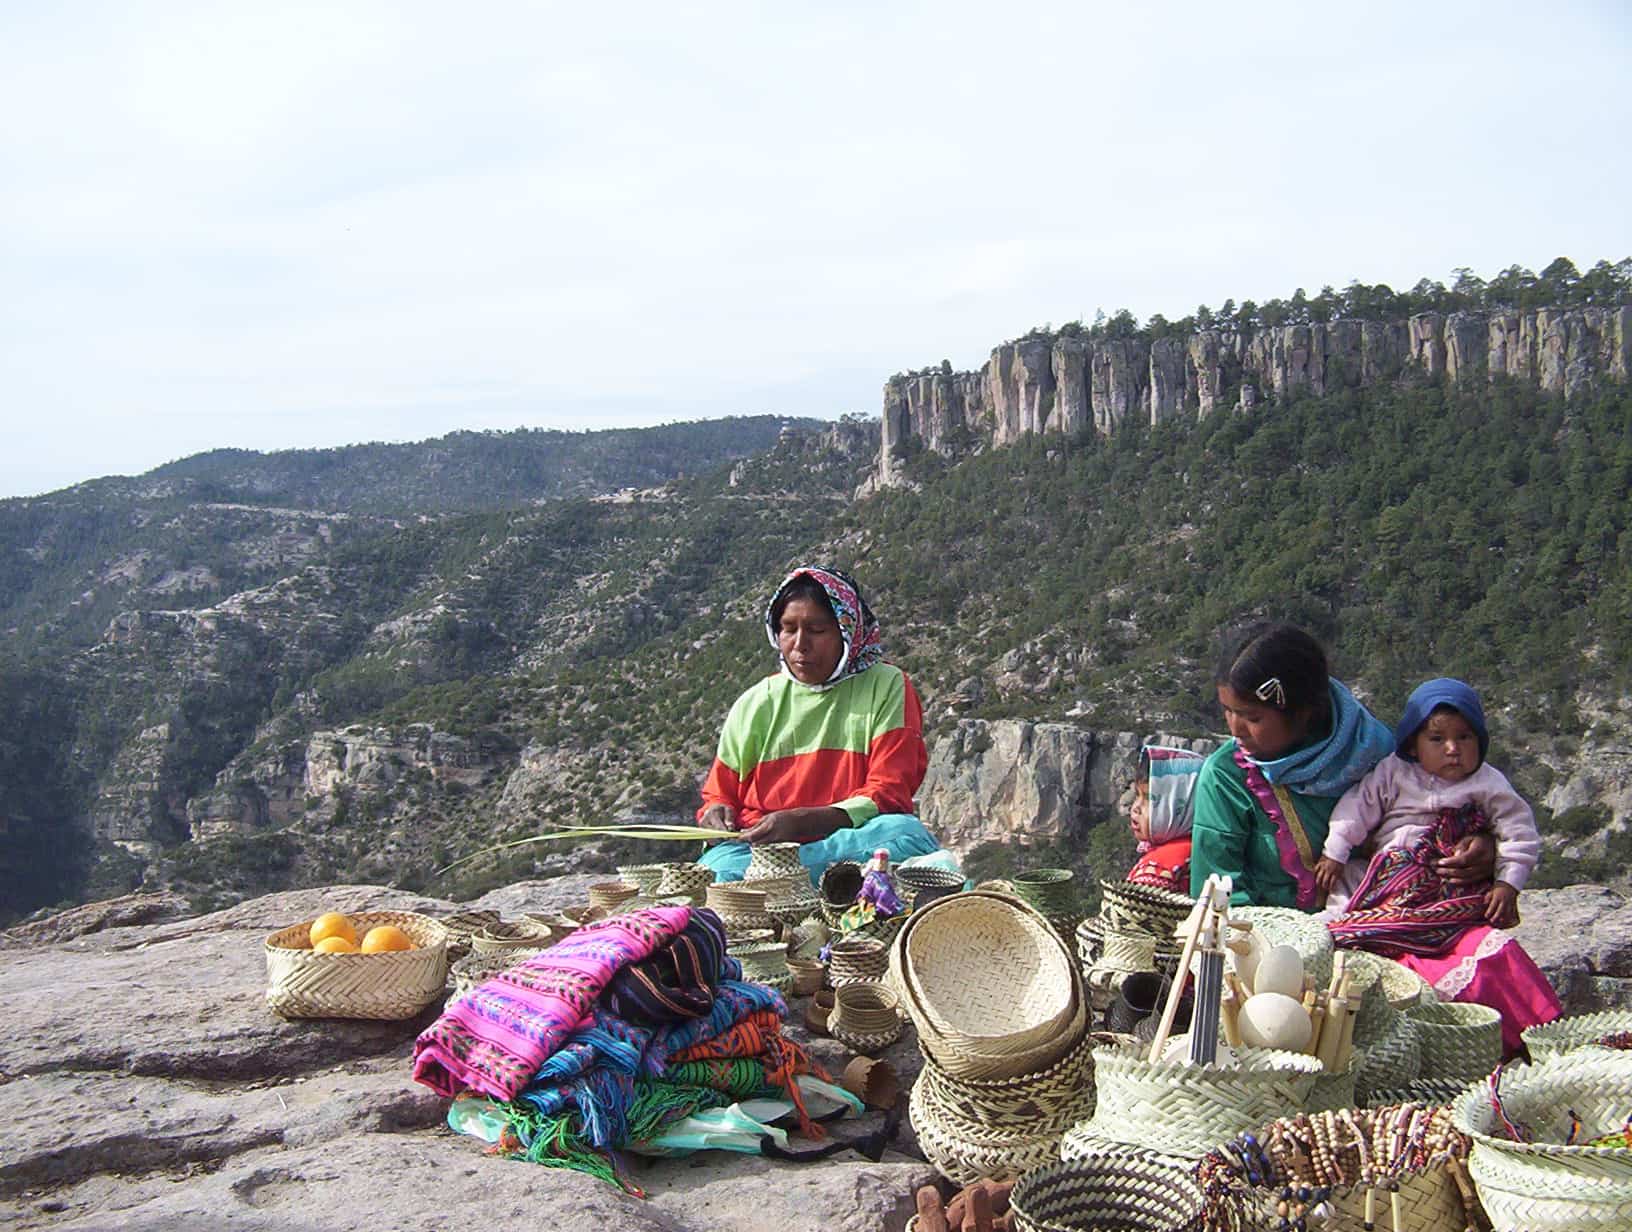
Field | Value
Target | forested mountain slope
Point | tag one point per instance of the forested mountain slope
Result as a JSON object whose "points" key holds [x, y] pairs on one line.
{"points": [[397, 692]]}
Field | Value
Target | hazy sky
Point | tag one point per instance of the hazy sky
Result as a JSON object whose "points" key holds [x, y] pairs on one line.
{"points": [[279, 225]]}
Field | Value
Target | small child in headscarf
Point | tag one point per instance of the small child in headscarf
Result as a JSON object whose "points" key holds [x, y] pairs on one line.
{"points": [[1163, 796], [1420, 801]]}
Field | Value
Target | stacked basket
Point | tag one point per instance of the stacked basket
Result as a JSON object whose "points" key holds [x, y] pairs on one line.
{"points": [[1001, 1015], [1459, 1042], [1542, 1183]]}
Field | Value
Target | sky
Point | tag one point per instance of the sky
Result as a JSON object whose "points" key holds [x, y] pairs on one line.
{"points": [[276, 226]]}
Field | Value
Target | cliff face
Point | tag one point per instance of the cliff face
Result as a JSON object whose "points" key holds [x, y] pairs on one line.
{"points": [[1063, 384]]}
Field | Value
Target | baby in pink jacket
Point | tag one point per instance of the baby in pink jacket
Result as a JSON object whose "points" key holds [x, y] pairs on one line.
{"points": [[1438, 764]]}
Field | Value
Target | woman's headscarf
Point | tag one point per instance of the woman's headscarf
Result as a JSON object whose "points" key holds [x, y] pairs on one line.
{"points": [[1172, 790], [863, 641]]}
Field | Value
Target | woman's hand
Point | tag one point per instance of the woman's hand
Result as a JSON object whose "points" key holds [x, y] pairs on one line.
{"points": [[1502, 906], [1327, 871], [1471, 862], [718, 817], [796, 825]]}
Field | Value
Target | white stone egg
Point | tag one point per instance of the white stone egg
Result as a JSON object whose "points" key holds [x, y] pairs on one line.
{"points": [[1274, 1020], [1279, 970]]}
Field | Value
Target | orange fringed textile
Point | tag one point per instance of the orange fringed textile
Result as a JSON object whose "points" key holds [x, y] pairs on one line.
{"points": [[759, 1037]]}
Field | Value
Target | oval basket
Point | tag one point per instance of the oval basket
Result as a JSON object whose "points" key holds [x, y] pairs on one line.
{"points": [[1459, 1042], [985, 974], [1544, 1185], [392, 985], [1182, 1109], [1563, 1035], [1130, 1191]]}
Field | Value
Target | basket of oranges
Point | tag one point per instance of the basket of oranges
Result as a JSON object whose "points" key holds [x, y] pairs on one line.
{"points": [[376, 964]]}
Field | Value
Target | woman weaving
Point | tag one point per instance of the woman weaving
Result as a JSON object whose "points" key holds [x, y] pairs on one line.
{"points": [[826, 753], [1264, 800]]}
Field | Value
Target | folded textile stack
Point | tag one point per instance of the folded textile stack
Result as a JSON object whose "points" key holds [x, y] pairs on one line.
{"points": [[601, 1041]]}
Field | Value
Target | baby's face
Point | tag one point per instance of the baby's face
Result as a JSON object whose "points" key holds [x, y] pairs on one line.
{"points": [[1447, 746], [1139, 812]]}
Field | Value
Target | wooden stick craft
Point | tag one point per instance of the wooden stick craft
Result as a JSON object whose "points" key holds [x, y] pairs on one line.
{"points": [[1204, 910]]}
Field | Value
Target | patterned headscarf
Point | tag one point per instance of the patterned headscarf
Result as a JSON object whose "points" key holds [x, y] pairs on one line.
{"points": [[1173, 774], [863, 641]]}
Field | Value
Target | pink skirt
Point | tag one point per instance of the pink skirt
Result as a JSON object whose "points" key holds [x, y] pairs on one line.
{"points": [[1486, 967]]}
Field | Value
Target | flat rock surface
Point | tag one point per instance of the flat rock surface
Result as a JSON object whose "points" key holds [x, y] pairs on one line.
{"points": [[144, 1084]]}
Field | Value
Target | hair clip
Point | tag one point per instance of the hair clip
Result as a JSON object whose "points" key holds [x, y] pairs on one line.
{"points": [[1272, 692]]}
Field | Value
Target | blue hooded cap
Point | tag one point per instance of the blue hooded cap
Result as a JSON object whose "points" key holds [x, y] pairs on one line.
{"points": [[1425, 698]]}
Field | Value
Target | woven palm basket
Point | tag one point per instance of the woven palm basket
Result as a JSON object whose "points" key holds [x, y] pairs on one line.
{"points": [[761, 960], [1428, 1197], [1563, 1035], [689, 880], [1392, 1060], [462, 926], [967, 1151], [1183, 1109], [926, 883], [1131, 907], [644, 877], [984, 975], [1050, 891], [771, 860], [1130, 1191], [509, 937], [1286, 926], [850, 959], [1544, 1185], [1387, 989], [612, 895], [735, 898], [1030, 1104], [301, 983], [1459, 1042], [1423, 1091], [1336, 1090]]}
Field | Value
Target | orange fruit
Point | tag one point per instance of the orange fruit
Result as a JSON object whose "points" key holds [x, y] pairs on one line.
{"points": [[335, 945], [333, 924], [384, 937]]}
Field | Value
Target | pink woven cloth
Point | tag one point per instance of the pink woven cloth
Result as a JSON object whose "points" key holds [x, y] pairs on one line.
{"points": [[492, 1040], [1486, 967]]}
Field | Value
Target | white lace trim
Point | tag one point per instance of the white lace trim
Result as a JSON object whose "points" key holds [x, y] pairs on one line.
{"points": [[1450, 985]]}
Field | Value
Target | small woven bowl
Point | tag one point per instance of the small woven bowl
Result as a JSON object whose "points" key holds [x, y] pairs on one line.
{"points": [[612, 894], [1130, 1191], [691, 880], [503, 938], [768, 860], [1563, 1035]]}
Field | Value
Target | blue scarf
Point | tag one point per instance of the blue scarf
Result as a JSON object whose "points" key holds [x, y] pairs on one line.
{"points": [[1330, 767]]}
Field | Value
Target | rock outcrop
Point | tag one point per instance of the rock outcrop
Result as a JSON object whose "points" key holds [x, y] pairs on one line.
{"points": [[145, 1085], [1005, 780], [1063, 383]]}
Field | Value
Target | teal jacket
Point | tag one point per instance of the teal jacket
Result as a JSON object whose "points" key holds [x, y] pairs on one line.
{"points": [[1233, 835]]}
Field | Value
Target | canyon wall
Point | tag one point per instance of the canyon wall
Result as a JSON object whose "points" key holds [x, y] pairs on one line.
{"points": [[1067, 382]]}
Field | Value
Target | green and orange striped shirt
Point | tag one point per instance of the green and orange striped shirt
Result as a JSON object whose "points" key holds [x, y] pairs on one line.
{"points": [[858, 746]]}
